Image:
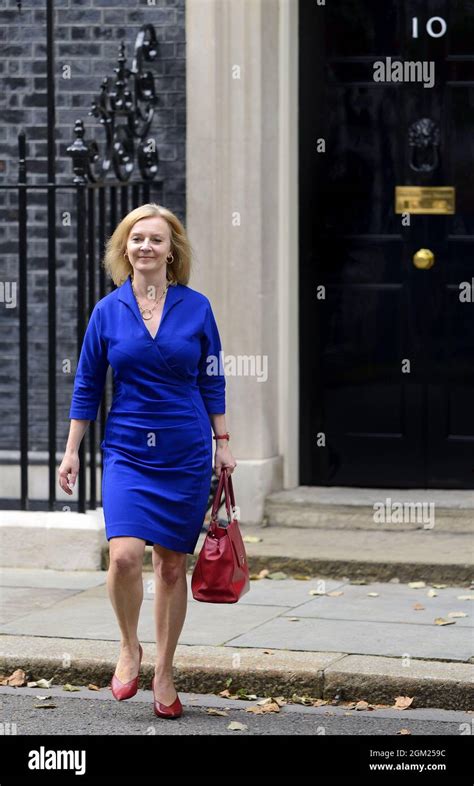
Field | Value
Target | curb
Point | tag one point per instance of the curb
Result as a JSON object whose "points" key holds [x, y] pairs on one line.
{"points": [[264, 672]]}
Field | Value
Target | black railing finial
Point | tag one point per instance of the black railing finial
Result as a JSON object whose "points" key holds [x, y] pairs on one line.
{"points": [[125, 109], [83, 155], [18, 3]]}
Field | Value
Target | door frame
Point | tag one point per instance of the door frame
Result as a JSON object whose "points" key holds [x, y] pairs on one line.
{"points": [[288, 245]]}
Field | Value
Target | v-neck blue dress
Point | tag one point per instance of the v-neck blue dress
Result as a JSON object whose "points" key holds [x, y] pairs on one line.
{"points": [[157, 443]]}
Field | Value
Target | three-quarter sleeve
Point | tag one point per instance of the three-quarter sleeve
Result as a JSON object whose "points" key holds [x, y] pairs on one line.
{"points": [[211, 377], [91, 371]]}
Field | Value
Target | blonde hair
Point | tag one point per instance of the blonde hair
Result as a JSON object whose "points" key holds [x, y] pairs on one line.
{"points": [[118, 266]]}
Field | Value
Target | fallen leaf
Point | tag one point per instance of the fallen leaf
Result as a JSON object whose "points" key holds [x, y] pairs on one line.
{"points": [[402, 702], [319, 702], [42, 698], [301, 577], [17, 679], [301, 699], [359, 581], [270, 700], [316, 592], [44, 683], [404, 731], [432, 594], [44, 706], [439, 586], [293, 619], [251, 539], [335, 593], [465, 597], [246, 696], [236, 726], [268, 652], [416, 584], [70, 687], [418, 606], [273, 707], [361, 705], [457, 614], [91, 686], [277, 575], [225, 694], [442, 621], [372, 594], [213, 711]]}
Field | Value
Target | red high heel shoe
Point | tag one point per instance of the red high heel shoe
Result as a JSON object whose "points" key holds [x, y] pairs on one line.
{"points": [[174, 710], [125, 690]]}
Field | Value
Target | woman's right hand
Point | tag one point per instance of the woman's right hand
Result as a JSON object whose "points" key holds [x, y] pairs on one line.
{"points": [[68, 472]]}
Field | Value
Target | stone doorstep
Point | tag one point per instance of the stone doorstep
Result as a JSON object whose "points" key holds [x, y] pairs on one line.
{"points": [[322, 516], [337, 507], [58, 540], [203, 669], [327, 496]]}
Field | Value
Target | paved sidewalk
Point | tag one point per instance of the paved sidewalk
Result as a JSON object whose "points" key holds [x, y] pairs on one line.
{"points": [[280, 638]]}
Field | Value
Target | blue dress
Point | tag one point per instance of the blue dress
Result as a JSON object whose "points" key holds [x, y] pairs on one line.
{"points": [[157, 446]]}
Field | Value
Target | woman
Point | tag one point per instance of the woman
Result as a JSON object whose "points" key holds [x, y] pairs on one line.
{"points": [[162, 341]]}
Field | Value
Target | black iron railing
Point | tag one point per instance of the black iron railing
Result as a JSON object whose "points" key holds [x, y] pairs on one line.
{"points": [[110, 179]]}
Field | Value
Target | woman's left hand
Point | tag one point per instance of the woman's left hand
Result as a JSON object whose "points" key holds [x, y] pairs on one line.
{"points": [[224, 459]]}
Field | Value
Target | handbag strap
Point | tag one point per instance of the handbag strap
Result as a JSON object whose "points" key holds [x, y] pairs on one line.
{"points": [[229, 489], [225, 483]]}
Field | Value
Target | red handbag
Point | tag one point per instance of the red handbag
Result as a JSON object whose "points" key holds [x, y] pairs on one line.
{"points": [[221, 573]]}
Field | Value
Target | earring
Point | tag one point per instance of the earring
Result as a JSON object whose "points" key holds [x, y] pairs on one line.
{"points": [[168, 262]]}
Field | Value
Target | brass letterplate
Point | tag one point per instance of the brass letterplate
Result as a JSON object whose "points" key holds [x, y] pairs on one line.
{"points": [[425, 199]]}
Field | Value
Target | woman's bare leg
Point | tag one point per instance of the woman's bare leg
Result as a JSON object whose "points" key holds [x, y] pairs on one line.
{"points": [[170, 612], [125, 587]]}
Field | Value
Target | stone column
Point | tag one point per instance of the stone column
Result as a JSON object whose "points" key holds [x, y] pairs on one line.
{"points": [[238, 213]]}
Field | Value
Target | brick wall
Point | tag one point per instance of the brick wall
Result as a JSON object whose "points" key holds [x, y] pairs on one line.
{"points": [[87, 38]]}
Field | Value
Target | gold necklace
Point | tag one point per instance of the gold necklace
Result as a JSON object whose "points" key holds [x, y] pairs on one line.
{"points": [[147, 313]]}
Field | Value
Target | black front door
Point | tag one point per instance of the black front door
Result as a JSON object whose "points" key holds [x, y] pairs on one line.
{"points": [[386, 297]]}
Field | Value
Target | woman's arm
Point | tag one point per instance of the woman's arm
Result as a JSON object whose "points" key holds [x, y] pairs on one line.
{"points": [[89, 380], [77, 429], [223, 456], [69, 468], [218, 425], [212, 387], [89, 383]]}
